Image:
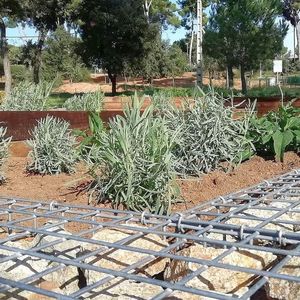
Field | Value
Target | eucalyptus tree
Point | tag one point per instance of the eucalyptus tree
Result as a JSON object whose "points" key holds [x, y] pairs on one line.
{"points": [[291, 12], [10, 12], [247, 32]]}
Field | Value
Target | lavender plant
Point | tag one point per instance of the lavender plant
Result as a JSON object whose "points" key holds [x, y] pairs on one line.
{"points": [[4, 144], [133, 163], [52, 147], [85, 102], [209, 134], [27, 96]]}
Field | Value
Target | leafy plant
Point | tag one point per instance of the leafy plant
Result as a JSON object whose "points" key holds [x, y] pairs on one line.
{"points": [[277, 132], [52, 147], [133, 163], [90, 138], [4, 144], [85, 102], [27, 96], [209, 134]]}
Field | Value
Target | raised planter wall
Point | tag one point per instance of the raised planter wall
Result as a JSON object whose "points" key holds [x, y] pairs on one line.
{"points": [[264, 104], [20, 123]]}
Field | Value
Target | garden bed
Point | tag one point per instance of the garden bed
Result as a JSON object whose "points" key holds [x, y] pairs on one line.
{"points": [[68, 188]]}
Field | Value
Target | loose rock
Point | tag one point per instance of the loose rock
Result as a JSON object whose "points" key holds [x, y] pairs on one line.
{"points": [[216, 279]]}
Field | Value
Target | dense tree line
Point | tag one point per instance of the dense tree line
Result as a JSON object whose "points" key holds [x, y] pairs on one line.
{"points": [[124, 37]]}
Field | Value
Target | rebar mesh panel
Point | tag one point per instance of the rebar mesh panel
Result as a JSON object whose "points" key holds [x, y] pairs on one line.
{"points": [[226, 248]]}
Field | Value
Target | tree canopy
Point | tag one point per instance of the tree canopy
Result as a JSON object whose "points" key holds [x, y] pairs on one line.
{"points": [[245, 32], [114, 33]]}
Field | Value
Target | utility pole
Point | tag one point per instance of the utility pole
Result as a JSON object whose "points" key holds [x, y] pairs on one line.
{"points": [[199, 43]]}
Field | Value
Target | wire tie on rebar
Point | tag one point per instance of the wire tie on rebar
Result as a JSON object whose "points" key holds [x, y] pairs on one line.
{"points": [[223, 199], [179, 225], [52, 205], [143, 221], [242, 232], [267, 182], [280, 240]]}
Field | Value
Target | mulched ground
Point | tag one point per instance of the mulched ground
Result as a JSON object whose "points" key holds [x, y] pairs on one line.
{"points": [[66, 188]]}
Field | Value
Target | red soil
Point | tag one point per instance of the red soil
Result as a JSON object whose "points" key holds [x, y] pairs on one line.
{"points": [[65, 188]]}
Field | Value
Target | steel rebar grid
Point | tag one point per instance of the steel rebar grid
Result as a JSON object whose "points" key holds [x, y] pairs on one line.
{"points": [[218, 224]]}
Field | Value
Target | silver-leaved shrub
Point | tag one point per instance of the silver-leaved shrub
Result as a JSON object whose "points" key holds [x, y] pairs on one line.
{"points": [[133, 162], [210, 134], [52, 147], [27, 96], [85, 102], [4, 144]]}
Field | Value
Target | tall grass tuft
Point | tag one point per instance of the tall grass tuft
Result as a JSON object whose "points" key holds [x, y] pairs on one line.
{"points": [[133, 163], [52, 147], [27, 96]]}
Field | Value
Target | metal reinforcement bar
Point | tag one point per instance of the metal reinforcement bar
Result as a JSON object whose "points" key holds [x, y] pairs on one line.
{"points": [[260, 224]]}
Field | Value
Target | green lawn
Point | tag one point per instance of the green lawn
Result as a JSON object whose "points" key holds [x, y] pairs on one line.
{"points": [[56, 100]]}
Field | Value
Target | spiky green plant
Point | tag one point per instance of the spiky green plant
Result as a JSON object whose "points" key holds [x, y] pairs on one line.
{"points": [[4, 144], [85, 102], [209, 134], [52, 147], [27, 96], [133, 167]]}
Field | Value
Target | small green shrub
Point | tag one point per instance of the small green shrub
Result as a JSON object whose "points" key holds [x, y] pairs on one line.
{"points": [[52, 147], [293, 80], [85, 102], [90, 138], [4, 144], [133, 162], [209, 134], [2, 96], [27, 96], [277, 132], [20, 73]]}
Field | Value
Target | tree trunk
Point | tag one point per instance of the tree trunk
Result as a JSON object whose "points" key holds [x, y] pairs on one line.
{"points": [[38, 56], [243, 79], [113, 79], [5, 57], [191, 45], [298, 39], [230, 76]]}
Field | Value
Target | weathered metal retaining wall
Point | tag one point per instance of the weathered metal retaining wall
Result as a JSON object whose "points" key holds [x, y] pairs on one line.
{"points": [[20, 123]]}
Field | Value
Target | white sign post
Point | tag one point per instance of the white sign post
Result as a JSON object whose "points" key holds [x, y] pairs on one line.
{"points": [[277, 68]]}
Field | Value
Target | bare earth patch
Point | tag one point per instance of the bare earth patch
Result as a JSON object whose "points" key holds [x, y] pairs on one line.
{"points": [[66, 188]]}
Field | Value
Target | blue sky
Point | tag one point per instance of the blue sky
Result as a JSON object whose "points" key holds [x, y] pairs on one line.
{"points": [[169, 35]]}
